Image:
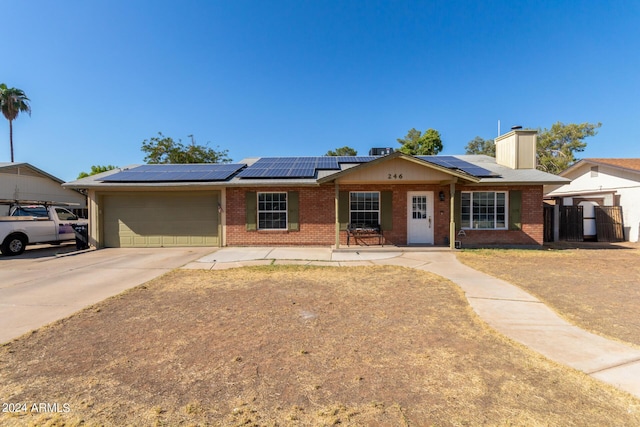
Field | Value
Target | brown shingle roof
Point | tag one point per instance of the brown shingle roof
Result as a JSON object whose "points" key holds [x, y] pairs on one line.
{"points": [[632, 164]]}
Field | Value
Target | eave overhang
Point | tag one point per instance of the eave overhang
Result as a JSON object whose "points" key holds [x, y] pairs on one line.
{"points": [[8, 166], [494, 182], [595, 162]]}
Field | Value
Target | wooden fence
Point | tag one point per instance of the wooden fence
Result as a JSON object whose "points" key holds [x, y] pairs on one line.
{"points": [[571, 223], [609, 224], [548, 223]]}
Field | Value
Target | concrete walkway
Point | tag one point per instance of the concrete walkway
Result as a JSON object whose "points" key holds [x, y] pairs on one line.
{"points": [[505, 307]]}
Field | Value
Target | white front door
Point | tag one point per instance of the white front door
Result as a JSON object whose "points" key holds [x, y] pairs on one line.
{"points": [[420, 218]]}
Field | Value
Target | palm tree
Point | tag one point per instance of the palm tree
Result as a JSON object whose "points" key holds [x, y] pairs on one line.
{"points": [[13, 101]]}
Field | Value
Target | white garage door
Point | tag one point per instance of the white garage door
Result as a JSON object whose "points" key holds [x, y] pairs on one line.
{"points": [[136, 219]]}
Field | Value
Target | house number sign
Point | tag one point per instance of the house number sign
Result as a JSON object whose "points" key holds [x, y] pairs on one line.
{"points": [[394, 176]]}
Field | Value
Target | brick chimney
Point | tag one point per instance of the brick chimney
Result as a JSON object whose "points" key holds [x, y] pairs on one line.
{"points": [[517, 149]]}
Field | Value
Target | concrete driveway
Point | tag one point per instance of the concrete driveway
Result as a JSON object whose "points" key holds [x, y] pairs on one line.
{"points": [[50, 283]]}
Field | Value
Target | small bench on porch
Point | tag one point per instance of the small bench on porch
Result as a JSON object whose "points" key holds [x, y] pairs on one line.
{"points": [[356, 230]]}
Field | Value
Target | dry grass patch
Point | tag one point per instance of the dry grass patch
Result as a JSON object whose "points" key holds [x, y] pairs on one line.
{"points": [[280, 346], [596, 289]]}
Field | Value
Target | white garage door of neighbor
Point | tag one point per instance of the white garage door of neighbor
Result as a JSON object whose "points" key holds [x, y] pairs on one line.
{"points": [[160, 219]]}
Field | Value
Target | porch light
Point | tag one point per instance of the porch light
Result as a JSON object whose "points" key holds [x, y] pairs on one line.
{"points": [[441, 195]]}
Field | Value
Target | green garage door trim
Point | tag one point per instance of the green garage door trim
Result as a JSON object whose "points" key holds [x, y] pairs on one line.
{"points": [[163, 219]]}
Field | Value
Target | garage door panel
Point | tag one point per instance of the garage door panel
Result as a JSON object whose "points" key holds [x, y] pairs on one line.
{"points": [[157, 226], [183, 241], [161, 219], [173, 213], [137, 240]]}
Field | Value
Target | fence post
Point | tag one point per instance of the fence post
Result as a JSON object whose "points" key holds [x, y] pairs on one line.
{"points": [[556, 223]]}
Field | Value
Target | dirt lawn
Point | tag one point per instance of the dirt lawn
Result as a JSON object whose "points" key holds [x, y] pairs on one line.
{"points": [[291, 345], [596, 289]]}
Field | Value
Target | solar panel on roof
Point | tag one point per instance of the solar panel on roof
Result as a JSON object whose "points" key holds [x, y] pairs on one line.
{"points": [[355, 159], [443, 162], [302, 173], [252, 172], [297, 167], [277, 172], [479, 172], [455, 163], [327, 163], [176, 173]]}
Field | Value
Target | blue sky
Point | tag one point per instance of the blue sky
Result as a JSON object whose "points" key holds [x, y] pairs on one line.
{"points": [[279, 78]]}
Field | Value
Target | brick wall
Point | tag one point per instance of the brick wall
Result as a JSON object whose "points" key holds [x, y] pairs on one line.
{"points": [[317, 217], [532, 232]]}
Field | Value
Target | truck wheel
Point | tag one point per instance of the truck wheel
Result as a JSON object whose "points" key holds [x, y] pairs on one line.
{"points": [[13, 245]]}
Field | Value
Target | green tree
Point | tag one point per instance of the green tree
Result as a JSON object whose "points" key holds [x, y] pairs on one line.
{"points": [[557, 146], [481, 146], [418, 144], [162, 149], [96, 170], [13, 102], [342, 151]]}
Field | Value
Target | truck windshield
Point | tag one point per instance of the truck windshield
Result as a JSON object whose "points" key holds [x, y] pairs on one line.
{"points": [[36, 211]]}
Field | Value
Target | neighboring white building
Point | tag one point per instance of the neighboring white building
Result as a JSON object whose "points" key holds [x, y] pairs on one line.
{"points": [[602, 182], [22, 181]]}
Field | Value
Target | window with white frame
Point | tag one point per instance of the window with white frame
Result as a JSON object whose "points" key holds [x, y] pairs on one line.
{"points": [[364, 207], [272, 211], [484, 210]]}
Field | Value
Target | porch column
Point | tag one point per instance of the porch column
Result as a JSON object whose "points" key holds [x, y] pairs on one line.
{"points": [[452, 216], [337, 208], [94, 206]]}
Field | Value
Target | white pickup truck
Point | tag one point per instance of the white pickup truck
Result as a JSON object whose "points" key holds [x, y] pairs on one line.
{"points": [[28, 224]]}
